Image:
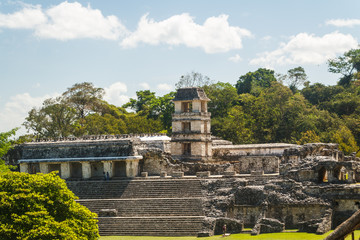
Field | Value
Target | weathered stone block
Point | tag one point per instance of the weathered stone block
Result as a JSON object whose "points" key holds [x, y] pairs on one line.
{"points": [[144, 174], [257, 173], [177, 174], [108, 213], [203, 174], [318, 226], [267, 225], [232, 225], [163, 174], [229, 173]]}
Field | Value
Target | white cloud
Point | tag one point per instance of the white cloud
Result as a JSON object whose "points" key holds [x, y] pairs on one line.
{"points": [[65, 21], [72, 20], [144, 85], [235, 58], [28, 18], [215, 35], [343, 22], [306, 48], [16, 110], [164, 87], [115, 94]]}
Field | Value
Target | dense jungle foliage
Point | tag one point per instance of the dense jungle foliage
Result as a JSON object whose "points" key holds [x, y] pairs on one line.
{"points": [[260, 108]]}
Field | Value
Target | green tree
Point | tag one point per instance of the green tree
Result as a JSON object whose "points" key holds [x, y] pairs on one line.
{"points": [[347, 65], [54, 119], [346, 140], [254, 82], [193, 79], [142, 124], [5, 145], [143, 104], [223, 96], [318, 94], [84, 98], [235, 126], [40, 206], [295, 78], [152, 107], [104, 124], [308, 137]]}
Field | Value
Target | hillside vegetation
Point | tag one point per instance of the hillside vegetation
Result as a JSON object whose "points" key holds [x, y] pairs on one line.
{"points": [[262, 107]]}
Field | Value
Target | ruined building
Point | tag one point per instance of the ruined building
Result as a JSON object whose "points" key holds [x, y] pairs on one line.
{"points": [[193, 182]]}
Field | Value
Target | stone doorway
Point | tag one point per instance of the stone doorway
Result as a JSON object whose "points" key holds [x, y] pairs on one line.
{"points": [[55, 167], [322, 175], [97, 170], [119, 169], [76, 170], [34, 168]]}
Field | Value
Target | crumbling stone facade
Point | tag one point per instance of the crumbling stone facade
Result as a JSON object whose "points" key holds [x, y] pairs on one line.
{"points": [[263, 186]]}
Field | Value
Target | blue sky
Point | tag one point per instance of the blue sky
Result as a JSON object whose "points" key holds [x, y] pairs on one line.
{"points": [[125, 46]]}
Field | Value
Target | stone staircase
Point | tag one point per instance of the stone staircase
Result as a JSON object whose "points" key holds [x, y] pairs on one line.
{"points": [[162, 207], [150, 226], [147, 207]]}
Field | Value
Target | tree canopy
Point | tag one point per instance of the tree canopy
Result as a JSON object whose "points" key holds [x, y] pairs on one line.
{"points": [[295, 78], [258, 109], [348, 65], [82, 111], [254, 82], [193, 79], [5, 145], [40, 206]]}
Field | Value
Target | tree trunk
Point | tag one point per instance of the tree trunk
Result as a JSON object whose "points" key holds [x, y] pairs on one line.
{"points": [[346, 227]]}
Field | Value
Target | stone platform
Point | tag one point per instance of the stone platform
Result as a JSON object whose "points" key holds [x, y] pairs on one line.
{"points": [[158, 207]]}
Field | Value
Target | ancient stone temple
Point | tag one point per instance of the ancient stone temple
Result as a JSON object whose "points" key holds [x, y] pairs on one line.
{"points": [[85, 158], [191, 137], [193, 183]]}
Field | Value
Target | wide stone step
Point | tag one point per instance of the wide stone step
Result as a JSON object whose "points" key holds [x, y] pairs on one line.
{"points": [[160, 226], [136, 189], [148, 207]]}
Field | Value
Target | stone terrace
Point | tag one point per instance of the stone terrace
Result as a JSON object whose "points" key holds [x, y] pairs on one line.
{"points": [[161, 207]]}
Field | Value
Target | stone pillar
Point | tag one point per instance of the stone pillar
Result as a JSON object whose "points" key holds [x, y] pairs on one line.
{"points": [[24, 167], [108, 168], [65, 170], [330, 176], [131, 168], [44, 168], [86, 170]]}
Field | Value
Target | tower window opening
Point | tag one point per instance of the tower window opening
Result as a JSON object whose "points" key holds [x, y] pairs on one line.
{"points": [[186, 126], [186, 107], [187, 149]]}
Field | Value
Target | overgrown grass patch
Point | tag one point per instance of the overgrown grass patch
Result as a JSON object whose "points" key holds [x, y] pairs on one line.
{"points": [[272, 236]]}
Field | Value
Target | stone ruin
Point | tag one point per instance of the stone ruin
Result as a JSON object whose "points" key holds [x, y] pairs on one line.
{"points": [[193, 183]]}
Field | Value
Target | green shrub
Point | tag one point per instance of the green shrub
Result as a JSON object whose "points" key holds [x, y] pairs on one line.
{"points": [[40, 206]]}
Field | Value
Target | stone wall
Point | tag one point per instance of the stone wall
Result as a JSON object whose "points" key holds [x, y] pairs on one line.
{"points": [[343, 209], [155, 162], [292, 215], [276, 149], [248, 164], [143, 146], [77, 149]]}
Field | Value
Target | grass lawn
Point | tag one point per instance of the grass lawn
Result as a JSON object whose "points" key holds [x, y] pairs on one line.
{"points": [[272, 236]]}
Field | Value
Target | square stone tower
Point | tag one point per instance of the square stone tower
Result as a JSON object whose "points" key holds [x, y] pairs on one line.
{"points": [[191, 136]]}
